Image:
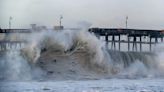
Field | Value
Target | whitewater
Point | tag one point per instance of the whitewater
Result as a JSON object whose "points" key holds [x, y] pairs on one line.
{"points": [[77, 61]]}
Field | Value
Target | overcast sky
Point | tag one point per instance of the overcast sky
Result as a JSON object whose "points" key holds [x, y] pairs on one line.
{"points": [[147, 14]]}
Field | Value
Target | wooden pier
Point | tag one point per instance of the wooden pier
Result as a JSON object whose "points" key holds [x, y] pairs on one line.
{"points": [[133, 34], [6, 44], [134, 37]]}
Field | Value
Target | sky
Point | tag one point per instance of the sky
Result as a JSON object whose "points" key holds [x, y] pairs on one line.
{"points": [[142, 14]]}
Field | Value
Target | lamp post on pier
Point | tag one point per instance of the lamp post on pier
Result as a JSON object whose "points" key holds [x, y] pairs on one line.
{"points": [[60, 22], [126, 22], [10, 18]]}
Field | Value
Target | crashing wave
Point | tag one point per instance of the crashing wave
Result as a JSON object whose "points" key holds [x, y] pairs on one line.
{"points": [[90, 52]]}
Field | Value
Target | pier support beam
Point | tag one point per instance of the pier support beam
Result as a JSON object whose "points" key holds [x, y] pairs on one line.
{"points": [[140, 43], [128, 43], [106, 40], [150, 43], [161, 39], [135, 43], [113, 42], [156, 40], [119, 42]]}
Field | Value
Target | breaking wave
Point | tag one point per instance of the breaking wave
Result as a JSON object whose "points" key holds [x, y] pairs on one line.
{"points": [[75, 54]]}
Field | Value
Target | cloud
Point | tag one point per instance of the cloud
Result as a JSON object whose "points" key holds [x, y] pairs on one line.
{"points": [[101, 13]]}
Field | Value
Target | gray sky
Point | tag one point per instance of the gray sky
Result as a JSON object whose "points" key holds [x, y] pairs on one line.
{"points": [[148, 14]]}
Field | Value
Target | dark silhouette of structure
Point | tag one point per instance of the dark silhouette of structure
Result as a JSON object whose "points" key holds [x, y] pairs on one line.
{"points": [[129, 33], [105, 32]]}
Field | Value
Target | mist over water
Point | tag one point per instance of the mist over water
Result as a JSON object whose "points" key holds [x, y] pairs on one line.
{"points": [[14, 67], [90, 57]]}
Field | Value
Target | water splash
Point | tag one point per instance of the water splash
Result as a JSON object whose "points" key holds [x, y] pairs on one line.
{"points": [[68, 42]]}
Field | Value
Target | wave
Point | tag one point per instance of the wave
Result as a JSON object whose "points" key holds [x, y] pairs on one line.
{"points": [[75, 54]]}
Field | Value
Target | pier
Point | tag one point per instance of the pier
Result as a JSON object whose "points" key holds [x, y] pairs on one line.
{"points": [[132, 36], [6, 44]]}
